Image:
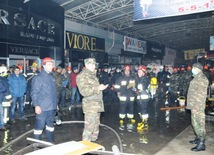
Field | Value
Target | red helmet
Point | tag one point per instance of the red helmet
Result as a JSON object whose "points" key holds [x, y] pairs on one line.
{"points": [[20, 67], [189, 67], [206, 67], [143, 68], [182, 69], [175, 69], [127, 67], [47, 59]]}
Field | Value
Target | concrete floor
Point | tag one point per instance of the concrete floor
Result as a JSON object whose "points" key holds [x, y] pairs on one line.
{"points": [[169, 132], [180, 146]]}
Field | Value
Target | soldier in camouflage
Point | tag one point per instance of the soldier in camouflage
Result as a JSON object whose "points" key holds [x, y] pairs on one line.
{"points": [[196, 98], [185, 78], [174, 87], [58, 77], [92, 102]]}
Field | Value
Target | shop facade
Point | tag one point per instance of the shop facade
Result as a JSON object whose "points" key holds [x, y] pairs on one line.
{"points": [[81, 46], [30, 31]]}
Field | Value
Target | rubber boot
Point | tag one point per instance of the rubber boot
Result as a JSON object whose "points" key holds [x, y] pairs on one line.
{"points": [[121, 124], [195, 141], [130, 125], [200, 146], [145, 126], [140, 125]]}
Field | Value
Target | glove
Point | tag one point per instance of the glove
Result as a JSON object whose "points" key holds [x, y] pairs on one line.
{"points": [[130, 85]]}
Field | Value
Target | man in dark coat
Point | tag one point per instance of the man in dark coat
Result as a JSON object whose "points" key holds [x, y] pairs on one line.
{"points": [[44, 98]]}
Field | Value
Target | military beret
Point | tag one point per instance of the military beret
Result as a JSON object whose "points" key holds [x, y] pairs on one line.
{"points": [[89, 61], [198, 65]]}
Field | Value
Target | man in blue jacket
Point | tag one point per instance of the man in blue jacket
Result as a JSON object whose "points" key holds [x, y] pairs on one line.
{"points": [[44, 99], [17, 88]]}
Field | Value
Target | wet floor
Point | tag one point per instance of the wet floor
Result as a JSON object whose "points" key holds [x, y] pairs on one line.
{"points": [[163, 127]]}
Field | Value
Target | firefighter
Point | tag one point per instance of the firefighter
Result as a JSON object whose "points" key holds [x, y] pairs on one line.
{"points": [[30, 75], [163, 84], [143, 97], [153, 82], [123, 87]]}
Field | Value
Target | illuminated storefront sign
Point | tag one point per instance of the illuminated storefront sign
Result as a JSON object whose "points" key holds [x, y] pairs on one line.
{"points": [[134, 45], [84, 42], [190, 54], [18, 24]]}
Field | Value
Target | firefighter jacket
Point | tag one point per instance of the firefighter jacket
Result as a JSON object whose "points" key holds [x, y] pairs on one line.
{"points": [[30, 76], [3, 89], [141, 88], [44, 91], [124, 86], [197, 92], [88, 84], [7, 94]]}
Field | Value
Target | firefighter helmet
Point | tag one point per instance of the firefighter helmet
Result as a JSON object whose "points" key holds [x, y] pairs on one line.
{"points": [[143, 68], [175, 69], [206, 67], [34, 64], [47, 59], [3, 70], [20, 67], [189, 67], [182, 69], [127, 67]]}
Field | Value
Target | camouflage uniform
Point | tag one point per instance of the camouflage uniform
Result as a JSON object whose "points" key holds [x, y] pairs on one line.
{"points": [[196, 99], [184, 81], [92, 102], [174, 88]]}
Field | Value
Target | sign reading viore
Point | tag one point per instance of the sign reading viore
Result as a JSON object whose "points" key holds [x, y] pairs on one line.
{"points": [[84, 42]]}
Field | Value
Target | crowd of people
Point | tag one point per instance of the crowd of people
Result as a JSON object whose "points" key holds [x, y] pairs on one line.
{"points": [[50, 89]]}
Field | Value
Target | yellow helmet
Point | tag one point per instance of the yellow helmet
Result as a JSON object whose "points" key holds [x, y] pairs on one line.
{"points": [[34, 64]]}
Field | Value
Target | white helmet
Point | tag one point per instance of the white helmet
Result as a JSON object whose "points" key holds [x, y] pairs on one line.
{"points": [[3, 70]]}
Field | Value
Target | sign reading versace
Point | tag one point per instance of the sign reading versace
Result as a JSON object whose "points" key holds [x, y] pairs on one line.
{"points": [[23, 50], [17, 24], [83, 42]]}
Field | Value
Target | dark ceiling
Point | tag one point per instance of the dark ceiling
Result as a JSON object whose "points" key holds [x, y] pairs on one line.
{"points": [[183, 33]]}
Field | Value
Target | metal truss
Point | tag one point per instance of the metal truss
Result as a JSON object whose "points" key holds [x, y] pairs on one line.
{"points": [[118, 15], [181, 34]]}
